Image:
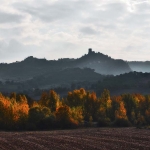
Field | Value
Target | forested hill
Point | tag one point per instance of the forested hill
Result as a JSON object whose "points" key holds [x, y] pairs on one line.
{"points": [[133, 82], [33, 67], [103, 64]]}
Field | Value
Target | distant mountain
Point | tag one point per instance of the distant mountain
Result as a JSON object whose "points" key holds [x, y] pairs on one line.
{"points": [[103, 64], [93, 71], [32, 67], [65, 78], [70, 79], [133, 82], [140, 66]]}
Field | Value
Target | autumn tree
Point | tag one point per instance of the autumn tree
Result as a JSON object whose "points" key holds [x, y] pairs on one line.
{"points": [[6, 112], [20, 111], [63, 116], [91, 107], [38, 113], [131, 104], [105, 109], [121, 118], [13, 113], [76, 98], [40, 118], [67, 117], [50, 100]]}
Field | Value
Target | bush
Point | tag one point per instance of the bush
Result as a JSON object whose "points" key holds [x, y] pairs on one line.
{"points": [[47, 123], [64, 118], [121, 122], [103, 122], [140, 121]]}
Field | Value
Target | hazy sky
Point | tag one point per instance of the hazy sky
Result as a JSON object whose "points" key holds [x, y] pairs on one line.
{"points": [[67, 28]]}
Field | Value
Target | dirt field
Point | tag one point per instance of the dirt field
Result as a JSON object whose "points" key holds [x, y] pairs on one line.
{"points": [[88, 139]]}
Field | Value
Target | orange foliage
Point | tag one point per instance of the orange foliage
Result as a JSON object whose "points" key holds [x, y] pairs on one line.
{"points": [[121, 112], [11, 111], [76, 98]]}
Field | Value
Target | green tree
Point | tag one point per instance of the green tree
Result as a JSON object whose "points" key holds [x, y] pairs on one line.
{"points": [[36, 114], [50, 100]]}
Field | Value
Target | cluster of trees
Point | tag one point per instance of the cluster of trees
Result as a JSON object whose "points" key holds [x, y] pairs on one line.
{"points": [[132, 80], [79, 108]]}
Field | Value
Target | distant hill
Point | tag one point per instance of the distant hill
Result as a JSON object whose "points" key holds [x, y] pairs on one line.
{"points": [[103, 64], [86, 71], [32, 67], [66, 77], [61, 78], [140, 66], [133, 82], [70, 79]]}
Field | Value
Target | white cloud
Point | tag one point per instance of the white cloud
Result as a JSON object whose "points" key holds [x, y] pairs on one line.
{"points": [[56, 29], [9, 18]]}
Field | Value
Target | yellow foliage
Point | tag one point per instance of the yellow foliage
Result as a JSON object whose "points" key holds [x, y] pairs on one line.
{"points": [[12, 112], [109, 103], [121, 112]]}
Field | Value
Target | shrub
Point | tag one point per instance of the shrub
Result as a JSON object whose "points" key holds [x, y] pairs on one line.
{"points": [[47, 123], [64, 117], [140, 121], [104, 122], [121, 122]]}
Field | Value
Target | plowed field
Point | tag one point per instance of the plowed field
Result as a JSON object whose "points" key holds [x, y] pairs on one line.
{"points": [[87, 139]]}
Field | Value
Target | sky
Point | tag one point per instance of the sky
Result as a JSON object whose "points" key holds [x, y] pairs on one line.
{"points": [[55, 29]]}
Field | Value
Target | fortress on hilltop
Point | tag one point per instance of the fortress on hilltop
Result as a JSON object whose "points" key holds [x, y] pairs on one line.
{"points": [[90, 51]]}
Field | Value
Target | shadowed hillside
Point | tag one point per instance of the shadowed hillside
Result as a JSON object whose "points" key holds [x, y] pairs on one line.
{"points": [[114, 74], [133, 82], [103, 64], [33, 67]]}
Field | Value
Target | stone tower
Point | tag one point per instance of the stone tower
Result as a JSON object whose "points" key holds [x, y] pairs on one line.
{"points": [[90, 50]]}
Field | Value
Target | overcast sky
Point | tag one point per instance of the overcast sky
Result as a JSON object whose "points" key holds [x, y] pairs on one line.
{"points": [[55, 29]]}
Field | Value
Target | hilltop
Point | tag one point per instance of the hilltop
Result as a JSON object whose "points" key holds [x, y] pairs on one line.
{"points": [[32, 67], [91, 71]]}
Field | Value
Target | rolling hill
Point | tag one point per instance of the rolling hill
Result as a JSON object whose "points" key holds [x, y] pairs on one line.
{"points": [[33, 67]]}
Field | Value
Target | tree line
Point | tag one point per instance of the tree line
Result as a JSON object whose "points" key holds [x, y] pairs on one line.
{"points": [[79, 109]]}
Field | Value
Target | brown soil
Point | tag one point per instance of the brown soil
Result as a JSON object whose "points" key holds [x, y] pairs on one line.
{"points": [[87, 139]]}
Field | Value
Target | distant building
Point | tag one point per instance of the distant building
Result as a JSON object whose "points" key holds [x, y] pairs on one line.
{"points": [[90, 51]]}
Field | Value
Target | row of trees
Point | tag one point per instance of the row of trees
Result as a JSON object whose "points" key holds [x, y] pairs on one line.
{"points": [[79, 108]]}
